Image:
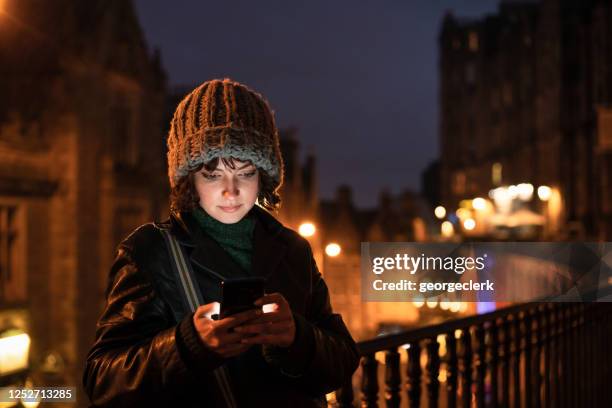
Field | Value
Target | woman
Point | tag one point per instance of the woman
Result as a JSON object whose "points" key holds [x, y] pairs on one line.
{"points": [[225, 168]]}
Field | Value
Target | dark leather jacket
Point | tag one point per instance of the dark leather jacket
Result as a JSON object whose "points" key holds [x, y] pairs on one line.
{"points": [[147, 352]]}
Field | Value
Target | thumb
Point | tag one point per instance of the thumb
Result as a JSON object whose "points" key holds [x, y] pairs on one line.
{"points": [[207, 310]]}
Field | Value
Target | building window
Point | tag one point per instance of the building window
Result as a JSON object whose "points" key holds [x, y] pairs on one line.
{"points": [[11, 279], [496, 174], [473, 41], [459, 182]]}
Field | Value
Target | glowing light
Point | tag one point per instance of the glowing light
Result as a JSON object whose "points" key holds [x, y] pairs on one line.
{"points": [[418, 301], [447, 229], [463, 213], [29, 403], [544, 193], [440, 212], [463, 307], [525, 191], [14, 351], [431, 303], [332, 249], [269, 308], [469, 224], [307, 229], [479, 203], [496, 173], [444, 304], [513, 191], [455, 307]]}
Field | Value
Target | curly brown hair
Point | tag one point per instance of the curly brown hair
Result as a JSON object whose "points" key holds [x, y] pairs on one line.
{"points": [[184, 196]]}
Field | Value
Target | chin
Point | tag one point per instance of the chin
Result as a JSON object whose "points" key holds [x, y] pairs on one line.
{"points": [[229, 218]]}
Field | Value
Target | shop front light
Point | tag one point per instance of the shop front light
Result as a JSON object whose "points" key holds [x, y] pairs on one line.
{"points": [[469, 224], [544, 193], [307, 229], [525, 191], [479, 203], [333, 249]]}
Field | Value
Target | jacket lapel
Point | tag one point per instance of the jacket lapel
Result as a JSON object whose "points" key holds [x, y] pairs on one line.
{"points": [[206, 254], [212, 258], [268, 248]]}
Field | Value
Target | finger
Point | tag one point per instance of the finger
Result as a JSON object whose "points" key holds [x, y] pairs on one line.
{"points": [[273, 317], [275, 297], [203, 311], [238, 319], [271, 339], [266, 328], [229, 338]]}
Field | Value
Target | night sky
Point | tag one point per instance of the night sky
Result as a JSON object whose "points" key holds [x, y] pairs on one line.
{"points": [[358, 79]]}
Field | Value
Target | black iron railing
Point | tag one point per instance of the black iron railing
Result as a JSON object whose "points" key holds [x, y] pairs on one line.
{"points": [[529, 355]]}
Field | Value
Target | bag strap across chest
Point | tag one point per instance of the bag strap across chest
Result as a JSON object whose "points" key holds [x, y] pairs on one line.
{"points": [[193, 298]]}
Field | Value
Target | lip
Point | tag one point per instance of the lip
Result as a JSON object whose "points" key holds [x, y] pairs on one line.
{"points": [[230, 209]]}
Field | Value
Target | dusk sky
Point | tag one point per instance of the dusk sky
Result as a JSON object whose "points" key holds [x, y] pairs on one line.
{"points": [[358, 79]]}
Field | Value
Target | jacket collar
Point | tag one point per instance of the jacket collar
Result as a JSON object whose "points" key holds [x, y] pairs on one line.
{"points": [[268, 245]]}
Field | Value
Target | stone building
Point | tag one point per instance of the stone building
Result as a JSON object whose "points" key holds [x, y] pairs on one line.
{"points": [[524, 97], [401, 218], [81, 164], [299, 192]]}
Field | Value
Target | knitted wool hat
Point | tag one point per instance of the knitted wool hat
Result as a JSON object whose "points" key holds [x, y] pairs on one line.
{"points": [[222, 118]]}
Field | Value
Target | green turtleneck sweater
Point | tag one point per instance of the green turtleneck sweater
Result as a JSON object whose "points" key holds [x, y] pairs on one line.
{"points": [[236, 239]]}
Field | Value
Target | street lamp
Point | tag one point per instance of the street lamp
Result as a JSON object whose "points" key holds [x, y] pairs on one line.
{"points": [[307, 229], [544, 193], [479, 203], [440, 212], [447, 229], [469, 224], [525, 191], [332, 249]]}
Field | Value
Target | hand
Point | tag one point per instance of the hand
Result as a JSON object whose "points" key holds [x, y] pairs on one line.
{"points": [[276, 328], [218, 335]]}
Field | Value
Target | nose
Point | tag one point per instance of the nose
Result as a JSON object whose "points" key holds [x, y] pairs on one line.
{"points": [[230, 189]]}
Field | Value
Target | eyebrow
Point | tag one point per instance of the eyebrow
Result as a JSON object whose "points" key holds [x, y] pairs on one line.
{"points": [[240, 168]]}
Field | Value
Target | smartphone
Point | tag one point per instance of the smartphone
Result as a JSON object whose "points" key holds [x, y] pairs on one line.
{"points": [[239, 295]]}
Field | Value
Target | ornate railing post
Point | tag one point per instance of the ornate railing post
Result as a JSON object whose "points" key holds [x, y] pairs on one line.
{"points": [[516, 360], [528, 351], [392, 378], [344, 396], [452, 369], [432, 372], [465, 368], [505, 361], [413, 383], [480, 366], [369, 381], [494, 362]]}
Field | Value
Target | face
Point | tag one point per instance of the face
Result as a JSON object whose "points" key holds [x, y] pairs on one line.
{"points": [[228, 194]]}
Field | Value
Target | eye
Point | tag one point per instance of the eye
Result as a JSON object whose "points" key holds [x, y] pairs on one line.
{"points": [[210, 176], [249, 174]]}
